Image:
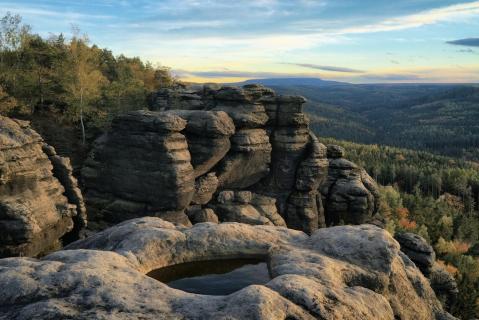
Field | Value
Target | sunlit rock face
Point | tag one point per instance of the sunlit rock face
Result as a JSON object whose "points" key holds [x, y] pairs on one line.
{"points": [[346, 272], [40, 202], [200, 141]]}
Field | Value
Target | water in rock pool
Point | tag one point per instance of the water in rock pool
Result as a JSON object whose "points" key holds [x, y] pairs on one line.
{"points": [[216, 277]]}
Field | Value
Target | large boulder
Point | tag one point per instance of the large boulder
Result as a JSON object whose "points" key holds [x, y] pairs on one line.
{"points": [[40, 203], [350, 272]]}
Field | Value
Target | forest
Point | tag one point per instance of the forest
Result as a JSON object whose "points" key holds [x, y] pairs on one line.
{"points": [[435, 197], [441, 119], [72, 81]]}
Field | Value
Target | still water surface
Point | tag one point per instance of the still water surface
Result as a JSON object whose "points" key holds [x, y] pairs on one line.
{"points": [[215, 277]]}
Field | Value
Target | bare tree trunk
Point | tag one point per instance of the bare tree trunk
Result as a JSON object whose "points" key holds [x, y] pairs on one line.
{"points": [[81, 117]]}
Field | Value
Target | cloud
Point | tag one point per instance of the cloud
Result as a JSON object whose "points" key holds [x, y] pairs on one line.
{"points": [[432, 16], [468, 42], [238, 74], [326, 68]]}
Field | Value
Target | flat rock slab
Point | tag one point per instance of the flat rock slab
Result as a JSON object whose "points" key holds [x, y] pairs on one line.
{"points": [[336, 273]]}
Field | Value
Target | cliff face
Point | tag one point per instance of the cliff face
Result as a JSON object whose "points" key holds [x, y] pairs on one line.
{"points": [[39, 199], [206, 147]]}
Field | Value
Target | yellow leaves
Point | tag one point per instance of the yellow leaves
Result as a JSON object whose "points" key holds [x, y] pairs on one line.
{"points": [[455, 247], [446, 221]]}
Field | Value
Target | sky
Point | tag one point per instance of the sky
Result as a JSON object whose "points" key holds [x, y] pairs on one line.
{"points": [[359, 41]]}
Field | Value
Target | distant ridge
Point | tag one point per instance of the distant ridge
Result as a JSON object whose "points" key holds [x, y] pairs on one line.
{"points": [[315, 82]]}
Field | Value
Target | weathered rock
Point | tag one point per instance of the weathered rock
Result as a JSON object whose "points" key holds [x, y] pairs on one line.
{"points": [[303, 211], [337, 273], [141, 167], [196, 214], [289, 140], [63, 171], [251, 139], [208, 135], [418, 250], [205, 187], [312, 171], [247, 207], [36, 210], [350, 195], [335, 152], [248, 160]]}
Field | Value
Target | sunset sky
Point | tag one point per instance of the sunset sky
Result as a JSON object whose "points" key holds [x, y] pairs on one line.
{"points": [[360, 41]]}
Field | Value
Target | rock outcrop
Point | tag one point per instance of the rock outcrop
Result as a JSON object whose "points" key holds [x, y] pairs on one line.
{"points": [[424, 257], [350, 194], [418, 250], [40, 203], [204, 140], [350, 272], [141, 167]]}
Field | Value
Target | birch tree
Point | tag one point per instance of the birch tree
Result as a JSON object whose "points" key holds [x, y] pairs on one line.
{"points": [[86, 80]]}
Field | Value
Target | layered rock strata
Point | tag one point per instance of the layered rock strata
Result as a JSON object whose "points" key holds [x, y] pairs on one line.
{"points": [[40, 202], [141, 167], [226, 139], [350, 195], [350, 272]]}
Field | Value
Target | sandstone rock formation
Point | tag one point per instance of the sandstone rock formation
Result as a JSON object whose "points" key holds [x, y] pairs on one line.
{"points": [[141, 167], [40, 202], [423, 255], [350, 272], [205, 140], [418, 250], [350, 194]]}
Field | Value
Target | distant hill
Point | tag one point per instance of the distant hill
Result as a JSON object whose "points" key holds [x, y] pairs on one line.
{"points": [[315, 82], [440, 118]]}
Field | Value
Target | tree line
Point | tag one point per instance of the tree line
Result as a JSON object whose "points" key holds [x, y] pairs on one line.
{"points": [[77, 81]]}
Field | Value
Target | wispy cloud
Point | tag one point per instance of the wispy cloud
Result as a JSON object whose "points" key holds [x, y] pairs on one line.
{"points": [[338, 39], [468, 42], [427, 17], [326, 68], [240, 74]]}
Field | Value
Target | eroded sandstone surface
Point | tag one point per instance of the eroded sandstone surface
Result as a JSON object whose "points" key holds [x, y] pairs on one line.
{"points": [[177, 163], [344, 272], [40, 202]]}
